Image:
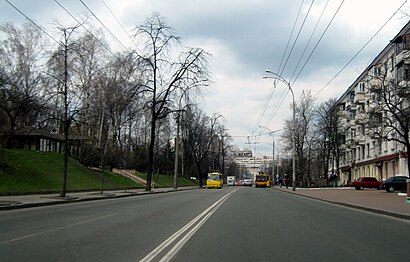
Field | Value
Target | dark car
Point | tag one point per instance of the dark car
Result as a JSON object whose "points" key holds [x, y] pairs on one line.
{"points": [[368, 182], [395, 183]]}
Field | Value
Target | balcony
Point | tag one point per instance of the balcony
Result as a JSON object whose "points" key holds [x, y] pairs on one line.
{"points": [[361, 118], [351, 143], [360, 140], [403, 56], [360, 98]]}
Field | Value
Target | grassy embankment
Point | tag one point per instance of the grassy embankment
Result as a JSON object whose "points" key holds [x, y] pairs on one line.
{"points": [[24, 171]]}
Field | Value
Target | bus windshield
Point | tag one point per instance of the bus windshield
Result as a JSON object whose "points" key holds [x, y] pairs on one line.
{"points": [[213, 177], [261, 178]]}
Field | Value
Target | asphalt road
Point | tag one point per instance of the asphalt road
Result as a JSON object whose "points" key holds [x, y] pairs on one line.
{"points": [[232, 224]]}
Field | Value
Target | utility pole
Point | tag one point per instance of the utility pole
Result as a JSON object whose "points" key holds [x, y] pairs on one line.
{"points": [[176, 153]]}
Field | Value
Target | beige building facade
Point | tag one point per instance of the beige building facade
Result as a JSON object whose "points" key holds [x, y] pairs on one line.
{"points": [[361, 153]]}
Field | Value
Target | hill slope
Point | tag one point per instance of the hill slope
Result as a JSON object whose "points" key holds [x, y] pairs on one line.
{"points": [[24, 171]]}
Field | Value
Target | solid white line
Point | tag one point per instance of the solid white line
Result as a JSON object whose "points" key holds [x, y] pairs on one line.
{"points": [[57, 228], [167, 257], [177, 234]]}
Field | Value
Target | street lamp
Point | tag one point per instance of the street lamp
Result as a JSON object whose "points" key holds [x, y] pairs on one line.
{"points": [[273, 150], [280, 78]]}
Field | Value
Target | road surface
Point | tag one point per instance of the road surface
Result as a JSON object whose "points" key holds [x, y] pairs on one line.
{"points": [[231, 224]]}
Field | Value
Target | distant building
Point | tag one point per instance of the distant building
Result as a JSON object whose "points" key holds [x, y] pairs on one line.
{"points": [[253, 165], [43, 141]]}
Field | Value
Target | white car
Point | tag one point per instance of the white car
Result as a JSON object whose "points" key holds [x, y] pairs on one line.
{"points": [[247, 182]]}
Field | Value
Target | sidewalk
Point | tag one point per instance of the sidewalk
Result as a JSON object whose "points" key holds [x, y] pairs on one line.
{"points": [[24, 201], [377, 201]]}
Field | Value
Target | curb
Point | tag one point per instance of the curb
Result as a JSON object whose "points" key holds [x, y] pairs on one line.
{"points": [[368, 209], [17, 205]]}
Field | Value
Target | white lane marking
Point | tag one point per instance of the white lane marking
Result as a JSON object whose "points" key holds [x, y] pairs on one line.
{"points": [[204, 216], [167, 257], [57, 228]]}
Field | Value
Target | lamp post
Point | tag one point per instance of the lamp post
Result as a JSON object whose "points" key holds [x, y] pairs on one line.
{"points": [[280, 78], [273, 150]]}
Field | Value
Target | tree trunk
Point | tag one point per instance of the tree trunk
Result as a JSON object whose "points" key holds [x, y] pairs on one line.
{"points": [[151, 154]]}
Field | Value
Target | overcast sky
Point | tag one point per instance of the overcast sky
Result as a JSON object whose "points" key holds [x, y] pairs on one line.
{"points": [[246, 37]]}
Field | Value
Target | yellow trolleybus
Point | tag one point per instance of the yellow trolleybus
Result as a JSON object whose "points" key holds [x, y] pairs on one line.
{"points": [[262, 180]]}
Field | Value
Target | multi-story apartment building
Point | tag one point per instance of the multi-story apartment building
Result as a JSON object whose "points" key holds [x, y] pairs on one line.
{"points": [[363, 151]]}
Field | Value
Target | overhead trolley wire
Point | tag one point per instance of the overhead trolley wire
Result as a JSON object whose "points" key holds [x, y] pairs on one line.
{"points": [[310, 55], [317, 43], [287, 59], [310, 39], [361, 49], [280, 65], [297, 37]]}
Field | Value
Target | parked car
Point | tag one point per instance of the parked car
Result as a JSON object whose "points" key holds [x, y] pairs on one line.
{"points": [[247, 182], [368, 182], [395, 183]]}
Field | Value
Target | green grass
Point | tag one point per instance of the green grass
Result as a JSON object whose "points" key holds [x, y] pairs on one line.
{"points": [[25, 171]]}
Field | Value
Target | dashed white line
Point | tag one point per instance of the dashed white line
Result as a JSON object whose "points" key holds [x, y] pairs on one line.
{"points": [[57, 228]]}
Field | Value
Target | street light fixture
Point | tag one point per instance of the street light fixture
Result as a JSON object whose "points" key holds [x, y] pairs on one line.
{"points": [[280, 78]]}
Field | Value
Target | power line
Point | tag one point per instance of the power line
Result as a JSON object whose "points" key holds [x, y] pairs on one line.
{"points": [[271, 92], [123, 28], [88, 31], [310, 39], [106, 28], [34, 23], [287, 59], [361, 49], [320, 39], [297, 37], [310, 55]]}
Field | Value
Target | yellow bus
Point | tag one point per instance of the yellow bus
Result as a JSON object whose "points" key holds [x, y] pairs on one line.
{"points": [[262, 180], [214, 180]]}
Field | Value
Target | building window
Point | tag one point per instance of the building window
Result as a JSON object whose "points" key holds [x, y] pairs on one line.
{"points": [[391, 63], [393, 167], [377, 71], [368, 150], [403, 72], [352, 133], [404, 44], [351, 95], [363, 156], [361, 87]]}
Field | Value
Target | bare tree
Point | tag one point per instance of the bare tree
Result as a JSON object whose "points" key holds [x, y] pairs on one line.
{"points": [[21, 51], [167, 74], [201, 135], [66, 96], [304, 120], [389, 115], [328, 131], [119, 90]]}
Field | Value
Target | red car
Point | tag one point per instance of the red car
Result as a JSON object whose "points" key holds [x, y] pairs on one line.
{"points": [[369, 182]]}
